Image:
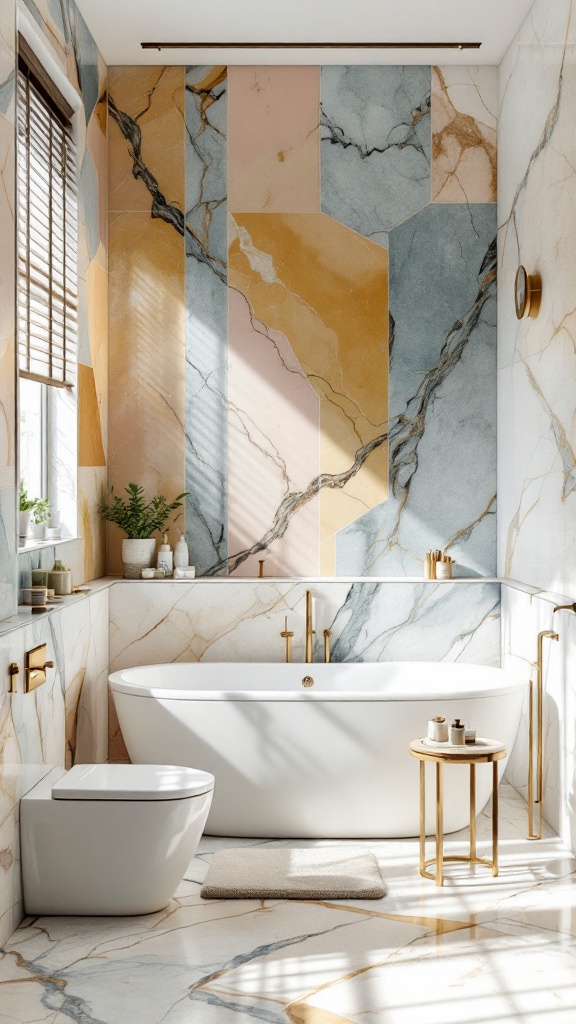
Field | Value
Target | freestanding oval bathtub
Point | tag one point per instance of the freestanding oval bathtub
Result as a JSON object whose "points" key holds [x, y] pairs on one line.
{"points": [[328, 761]]}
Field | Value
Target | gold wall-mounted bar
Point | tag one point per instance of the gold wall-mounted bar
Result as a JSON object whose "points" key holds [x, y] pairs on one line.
{"points": [[36, 665], [536, 833], [309, 627]]}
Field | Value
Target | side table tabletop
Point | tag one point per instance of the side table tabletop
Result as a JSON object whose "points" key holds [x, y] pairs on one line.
{"points": [[483, 751]]}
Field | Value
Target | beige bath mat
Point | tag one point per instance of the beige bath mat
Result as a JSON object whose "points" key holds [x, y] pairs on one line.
{"points": [[326, 873]]}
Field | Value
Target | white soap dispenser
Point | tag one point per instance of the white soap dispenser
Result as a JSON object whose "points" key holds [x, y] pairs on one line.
{"points": [[166, 557], [181, 554]]}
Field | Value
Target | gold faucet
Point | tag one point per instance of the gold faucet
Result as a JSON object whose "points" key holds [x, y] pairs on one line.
{"points": [[327, 634], [287, 635], [310, 631]]}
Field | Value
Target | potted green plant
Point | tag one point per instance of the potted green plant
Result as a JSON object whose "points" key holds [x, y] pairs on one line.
{"points": [[40, 516], [26, 506], [139, 519]]}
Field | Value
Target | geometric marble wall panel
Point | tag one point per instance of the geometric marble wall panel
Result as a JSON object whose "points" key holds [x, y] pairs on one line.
{"points": [[442, 399], [537, 357], [206, 315], [147, 288], [375, 150], [323, 289], [273, 143], [464, 122], [240, 621]]}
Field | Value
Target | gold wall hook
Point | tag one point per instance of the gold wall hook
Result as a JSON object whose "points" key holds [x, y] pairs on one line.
{"points": [[566, 607], [13, 671], [532, 832]]}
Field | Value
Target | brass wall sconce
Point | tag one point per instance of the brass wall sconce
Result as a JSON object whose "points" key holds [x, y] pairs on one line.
{"points": [[527, 294]]}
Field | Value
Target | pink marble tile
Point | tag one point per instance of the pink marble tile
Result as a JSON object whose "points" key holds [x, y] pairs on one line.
{"points": [[273, 139], [273, 445]]}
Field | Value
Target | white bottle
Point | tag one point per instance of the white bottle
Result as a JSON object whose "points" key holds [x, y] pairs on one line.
{"points": [[165, 557], [181, 554]]}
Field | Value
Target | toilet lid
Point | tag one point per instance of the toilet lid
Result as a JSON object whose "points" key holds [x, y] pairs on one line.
{"points": [[131, 782]]}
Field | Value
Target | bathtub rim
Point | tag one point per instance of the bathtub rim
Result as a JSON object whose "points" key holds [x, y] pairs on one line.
{"points": [[516, 681]]}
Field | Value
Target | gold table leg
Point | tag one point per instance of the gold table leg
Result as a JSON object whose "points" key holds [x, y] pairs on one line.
{"points": [[472, 812], [439, 824], [422, 816], [494, 818]]}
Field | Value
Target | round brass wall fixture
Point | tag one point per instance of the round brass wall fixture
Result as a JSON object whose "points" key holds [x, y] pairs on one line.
{"points": [[527, 293]]}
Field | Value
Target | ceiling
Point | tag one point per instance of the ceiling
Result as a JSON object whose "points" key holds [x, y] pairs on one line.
{"points": [[119, 26]]}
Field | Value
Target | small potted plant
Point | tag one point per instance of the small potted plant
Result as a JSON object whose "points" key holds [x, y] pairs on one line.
{"points": [[26, 506], [40, 516], [139, 519]]}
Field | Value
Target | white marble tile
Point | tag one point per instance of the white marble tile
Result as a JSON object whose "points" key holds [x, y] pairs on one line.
{"points": [[478, 949], [537, 357]]}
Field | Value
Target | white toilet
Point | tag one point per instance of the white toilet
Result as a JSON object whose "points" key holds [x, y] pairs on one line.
{"points": [[110, 838]]}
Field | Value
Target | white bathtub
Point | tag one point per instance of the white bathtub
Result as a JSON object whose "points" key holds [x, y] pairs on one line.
{"points": [[330, 761]]}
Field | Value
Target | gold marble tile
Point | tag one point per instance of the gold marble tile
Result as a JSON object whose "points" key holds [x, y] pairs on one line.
{"points": [[153, 99], [90, 447], [146, 359], [464, 134], [325, 288]]}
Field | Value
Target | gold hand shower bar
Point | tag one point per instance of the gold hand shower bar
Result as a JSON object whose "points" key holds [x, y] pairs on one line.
{"points": [[532, 833]]}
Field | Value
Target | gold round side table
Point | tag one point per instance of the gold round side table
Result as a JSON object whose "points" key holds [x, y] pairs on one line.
{"points": [[483, 751]]}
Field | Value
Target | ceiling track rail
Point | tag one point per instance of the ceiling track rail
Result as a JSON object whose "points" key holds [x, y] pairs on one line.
{"points": [[310, 46]]}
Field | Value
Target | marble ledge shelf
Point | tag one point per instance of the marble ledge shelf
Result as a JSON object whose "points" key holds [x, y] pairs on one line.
{"points": [[39, 545], [313, 579], [24, 614]]}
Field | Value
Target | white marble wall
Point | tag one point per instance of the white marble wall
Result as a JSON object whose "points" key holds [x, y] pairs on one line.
{"points": [[62, 722], [537, 357], [536, 377]]}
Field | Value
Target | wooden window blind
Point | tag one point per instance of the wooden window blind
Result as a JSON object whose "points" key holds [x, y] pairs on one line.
{"points": [[47, 229]]}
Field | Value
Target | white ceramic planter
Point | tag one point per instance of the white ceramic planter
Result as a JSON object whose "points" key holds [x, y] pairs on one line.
{"points": [[137, 555], [39, 531], [23, 524]]}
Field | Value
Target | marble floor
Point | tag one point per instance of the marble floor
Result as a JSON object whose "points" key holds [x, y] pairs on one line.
{"points": [[496, 951]]}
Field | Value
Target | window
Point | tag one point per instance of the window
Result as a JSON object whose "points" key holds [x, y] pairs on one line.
{"points": [[47, 283]]}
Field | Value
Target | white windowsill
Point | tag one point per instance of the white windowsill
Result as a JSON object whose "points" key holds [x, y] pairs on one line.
{"points": [[37, 545]]}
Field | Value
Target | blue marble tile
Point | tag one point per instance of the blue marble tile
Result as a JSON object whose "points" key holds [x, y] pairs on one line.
{"points": [[418, 622], [442, 434], [89, 202], [85, 50], [206, 317], [376, 145]]}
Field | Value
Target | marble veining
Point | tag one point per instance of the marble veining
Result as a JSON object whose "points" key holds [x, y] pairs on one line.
{"points": [[478, 949]]}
